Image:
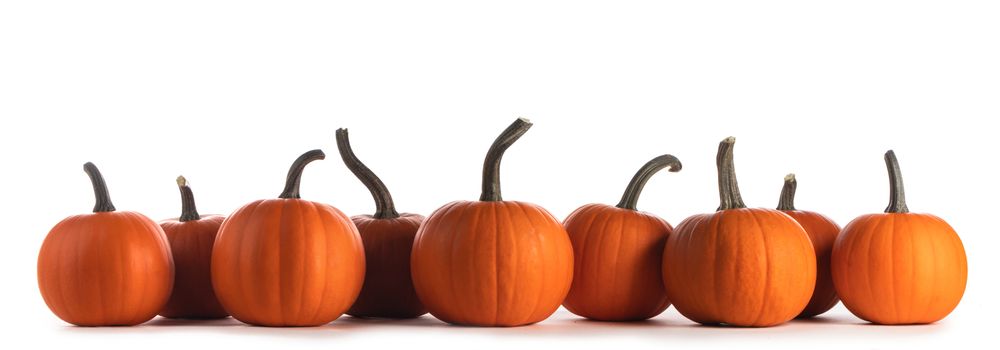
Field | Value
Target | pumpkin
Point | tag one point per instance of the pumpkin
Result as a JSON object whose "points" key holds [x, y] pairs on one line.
{"points": [[822, 233], [618, 254], [738, 266], [388, 240], [492, 262], [108, 268], [288, 261], [191, 238], [899, 267]]}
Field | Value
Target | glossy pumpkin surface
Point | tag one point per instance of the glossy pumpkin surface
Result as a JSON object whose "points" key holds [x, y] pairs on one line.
{"points": [[288, 261], [899, 267], [108, 268]]}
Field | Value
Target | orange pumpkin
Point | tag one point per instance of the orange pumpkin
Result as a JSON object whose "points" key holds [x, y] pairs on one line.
{"points": [[822, 233], [618, 254], [288, 261], [738, 266], [899, 267], [388, 240], [492, 262], [191, 239], [108, 268]]}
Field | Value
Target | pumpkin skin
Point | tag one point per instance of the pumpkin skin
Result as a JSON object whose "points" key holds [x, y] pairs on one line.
{"points": [[191, 238], [618, 255], [492, 262], [739, 266], [388, 288], [501, 263], [288, 261], [388, 240], [108, 268], [899, 267], [822, 233]]}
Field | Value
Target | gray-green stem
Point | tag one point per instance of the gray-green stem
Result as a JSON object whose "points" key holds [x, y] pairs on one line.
{"points": [[491, 167], [631, 196]]}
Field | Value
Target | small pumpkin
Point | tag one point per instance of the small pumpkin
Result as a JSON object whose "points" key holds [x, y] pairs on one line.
{"points": [[618, 254], [191, 238], [388, 240], [899, 267], [109, 268], [288, 261], [822, 233], [492, 262], [738, 266]]}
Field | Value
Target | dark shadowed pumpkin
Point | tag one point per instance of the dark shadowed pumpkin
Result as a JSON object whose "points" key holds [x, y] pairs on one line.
{"points": [[191, 237], [288, 261], [618, 255], [492, 262], [822, 233], [738, 266], [899, 267], [388, 239], [109, 268]]}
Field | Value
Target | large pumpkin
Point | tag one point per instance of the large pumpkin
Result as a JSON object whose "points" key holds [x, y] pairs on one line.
{"points": [[822, 233], [191, 237], [288, 261], [738, 266], [618, 254], [492, 262], [899, 267], [388, 239], [108, 268]]}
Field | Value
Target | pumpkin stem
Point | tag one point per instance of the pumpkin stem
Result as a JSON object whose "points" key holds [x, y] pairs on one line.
{"points": [[631, 196], [729, 190], [897, 198], [101, 196], [491, 167], [384, 207], [188, 210], [787, 199], [295, 173]]}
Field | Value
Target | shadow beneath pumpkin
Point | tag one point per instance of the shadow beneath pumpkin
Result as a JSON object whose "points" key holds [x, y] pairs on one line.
{"points": [[180, 322]]}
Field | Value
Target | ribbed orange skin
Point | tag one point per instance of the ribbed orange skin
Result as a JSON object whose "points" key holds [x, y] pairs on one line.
{"points": [[191, 245], [500, 263], [105, 269], [388, 289], [822, 233], [618, 263], [740, 267], [287, 262], [899, 268]]}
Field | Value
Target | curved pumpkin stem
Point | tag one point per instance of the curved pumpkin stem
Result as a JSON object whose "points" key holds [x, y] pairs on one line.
{"points": [[787, 199], [729, 190], [102, 200], [631, 196], [897, 197], [384, 207], [188, 210], [491, 167], [295, 173]]}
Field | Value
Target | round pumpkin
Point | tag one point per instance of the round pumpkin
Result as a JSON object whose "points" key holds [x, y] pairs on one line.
{"points": [[288, 261], [492, 262], [899, 267], [108, 268], [618, 255], [822, 233], [738, 266], [191, 237], [388, 240]]}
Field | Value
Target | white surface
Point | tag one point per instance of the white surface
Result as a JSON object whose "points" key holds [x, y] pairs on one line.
{"points": [[229, 93]]}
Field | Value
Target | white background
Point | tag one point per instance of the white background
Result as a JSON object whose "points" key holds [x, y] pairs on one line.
{"points": [[228, 93]]}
